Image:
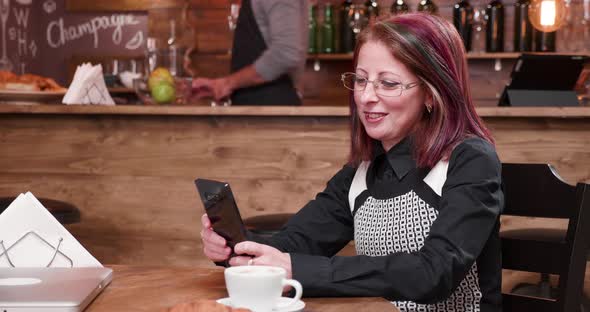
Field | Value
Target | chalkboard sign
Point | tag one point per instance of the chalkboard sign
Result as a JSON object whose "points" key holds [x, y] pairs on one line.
{"points": [[40, 37]]}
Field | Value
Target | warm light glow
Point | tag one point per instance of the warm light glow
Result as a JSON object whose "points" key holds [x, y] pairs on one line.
{"points": [[547, 15], [548, 12]]}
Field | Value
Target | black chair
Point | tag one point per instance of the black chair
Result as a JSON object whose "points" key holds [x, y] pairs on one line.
{"points": [[535, 190], [64, 212]]}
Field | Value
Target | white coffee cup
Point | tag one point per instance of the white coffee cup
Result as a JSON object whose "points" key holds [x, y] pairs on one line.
{"points": [[259, 288]]}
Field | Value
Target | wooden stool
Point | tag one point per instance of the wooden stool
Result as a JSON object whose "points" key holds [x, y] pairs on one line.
{"points": [[542, 289], [64, 212], [267, 225], [536, 190]]}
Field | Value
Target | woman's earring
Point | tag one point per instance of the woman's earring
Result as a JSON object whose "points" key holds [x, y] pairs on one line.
{"points": [[428, 108]]}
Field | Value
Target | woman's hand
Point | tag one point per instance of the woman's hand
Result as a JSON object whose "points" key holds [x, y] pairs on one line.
{"points": [[214, 246], [261, 255]]}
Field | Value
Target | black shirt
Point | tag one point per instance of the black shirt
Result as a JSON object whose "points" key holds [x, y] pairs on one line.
{"points": [[416, 248]]}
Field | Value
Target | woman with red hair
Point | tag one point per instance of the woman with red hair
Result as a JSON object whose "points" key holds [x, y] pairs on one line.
{"points": [[421, 195]]}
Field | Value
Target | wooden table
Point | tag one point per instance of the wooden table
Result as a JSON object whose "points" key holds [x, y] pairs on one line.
{"points": [[158, 288]]}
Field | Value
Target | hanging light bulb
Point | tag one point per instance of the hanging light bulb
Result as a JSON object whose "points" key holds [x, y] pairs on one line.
{"points": [[547, 15]]}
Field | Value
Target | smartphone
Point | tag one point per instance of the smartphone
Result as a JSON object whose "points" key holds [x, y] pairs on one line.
{"points": [[222, 210]]}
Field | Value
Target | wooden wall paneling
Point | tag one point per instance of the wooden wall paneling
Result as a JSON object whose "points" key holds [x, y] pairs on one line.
{"points": [[159, 24], [212, 30], [141, 5], [204, 29], [121, 5], [210, 65], [324, 86], [488, 77], [211, 4]]}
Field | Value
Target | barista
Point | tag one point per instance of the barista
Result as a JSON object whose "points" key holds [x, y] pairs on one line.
{"points": [[268, 56]]}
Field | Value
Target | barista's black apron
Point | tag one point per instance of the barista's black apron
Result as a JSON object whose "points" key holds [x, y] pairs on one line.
{"points": [[248, 45]]}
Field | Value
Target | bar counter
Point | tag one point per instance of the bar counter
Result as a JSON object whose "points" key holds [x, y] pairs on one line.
{"points": [[130, 169], [328, 111]]}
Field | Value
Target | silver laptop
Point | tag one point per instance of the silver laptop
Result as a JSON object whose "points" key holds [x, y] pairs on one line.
{"points": [[50, 289]]}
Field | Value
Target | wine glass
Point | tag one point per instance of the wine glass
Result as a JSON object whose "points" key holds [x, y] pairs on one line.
{"points": [[232, 19], [479, 27], [586, 28], [358, 20], [571, 33], [5, 63]]}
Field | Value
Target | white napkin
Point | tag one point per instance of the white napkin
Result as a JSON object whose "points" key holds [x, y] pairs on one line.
{"points": [[88, 87], [38, 234]]}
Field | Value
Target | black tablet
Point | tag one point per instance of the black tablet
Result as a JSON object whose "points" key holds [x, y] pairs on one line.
{"points": [[543, 80], [546, 72]]}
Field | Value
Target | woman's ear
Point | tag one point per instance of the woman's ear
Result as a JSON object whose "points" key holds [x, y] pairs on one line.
{"points": [[429, 98]]}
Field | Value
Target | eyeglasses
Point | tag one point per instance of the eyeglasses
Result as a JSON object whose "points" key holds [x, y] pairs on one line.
{"points": [[388, 86]]}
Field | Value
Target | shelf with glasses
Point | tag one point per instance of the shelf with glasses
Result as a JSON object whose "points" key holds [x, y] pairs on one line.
{"points": [[496, 57], [471, 55], [493, 56]]}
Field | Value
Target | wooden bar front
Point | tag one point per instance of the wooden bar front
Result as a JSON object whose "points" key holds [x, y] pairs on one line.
{"points": [[130, 169]]}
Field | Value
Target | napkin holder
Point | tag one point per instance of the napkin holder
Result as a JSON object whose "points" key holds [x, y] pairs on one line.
{"points": [[31, 237], [88, 87], [4, 252]]}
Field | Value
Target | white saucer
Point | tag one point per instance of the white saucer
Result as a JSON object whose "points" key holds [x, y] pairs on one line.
{"points": [[296, 307]]}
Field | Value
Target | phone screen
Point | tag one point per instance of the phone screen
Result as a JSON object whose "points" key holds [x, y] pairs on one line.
{"points": [[222, 210]]}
